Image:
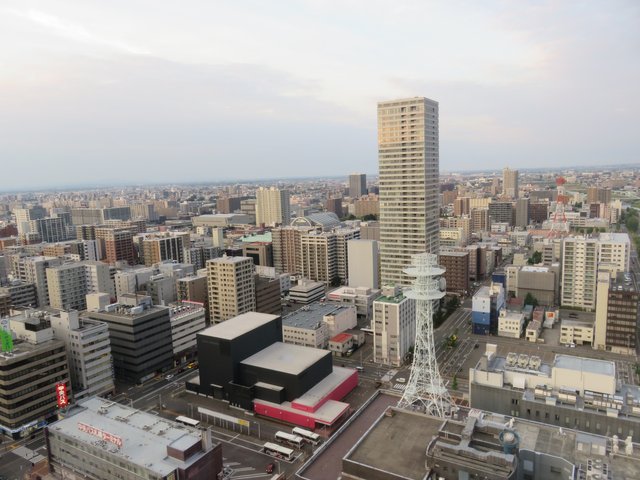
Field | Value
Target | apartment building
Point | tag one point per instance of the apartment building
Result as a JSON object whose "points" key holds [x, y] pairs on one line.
{"points": [[394, 326], [231, 287]]}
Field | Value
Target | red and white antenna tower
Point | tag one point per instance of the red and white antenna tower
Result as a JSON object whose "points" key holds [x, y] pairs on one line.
{"points": [[559, 225]]}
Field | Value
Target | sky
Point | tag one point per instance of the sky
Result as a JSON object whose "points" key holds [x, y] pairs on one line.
{"points": [[148, 91]]}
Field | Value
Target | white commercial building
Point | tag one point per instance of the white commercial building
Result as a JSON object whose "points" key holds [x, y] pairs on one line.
{"points": [[361, 297], [313, 325], [408, 146], [89, 353], [394, 326], [364, 263], [187, 319], [510, 324]]}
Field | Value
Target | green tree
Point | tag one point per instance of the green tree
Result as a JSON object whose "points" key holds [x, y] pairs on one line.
{"points": [[369, 217], [531, 300], [632, 224], [535, 258], [454, 382]]}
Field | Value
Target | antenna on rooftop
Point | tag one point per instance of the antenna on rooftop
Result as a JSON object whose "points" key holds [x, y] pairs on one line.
{"points": [[425, 390]]}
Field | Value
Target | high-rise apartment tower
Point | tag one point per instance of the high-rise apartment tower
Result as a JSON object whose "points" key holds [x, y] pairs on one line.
{"points": [[408, 154]]}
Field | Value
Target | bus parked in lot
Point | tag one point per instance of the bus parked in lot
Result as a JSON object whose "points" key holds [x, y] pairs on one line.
{"points": [[187, 421], [289, 439], [277, 451], [310, 437]]}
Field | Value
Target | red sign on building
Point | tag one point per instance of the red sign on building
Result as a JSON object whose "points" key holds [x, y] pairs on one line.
{"points": [[61, 394], [109, 437]]}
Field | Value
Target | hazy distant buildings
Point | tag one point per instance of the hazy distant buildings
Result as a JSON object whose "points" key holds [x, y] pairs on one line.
{"points": [[272, 207], [357, 185], [408, 146]]}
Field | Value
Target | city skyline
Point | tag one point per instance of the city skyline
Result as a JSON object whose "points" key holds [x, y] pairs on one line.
{"points": [[110, 95]]}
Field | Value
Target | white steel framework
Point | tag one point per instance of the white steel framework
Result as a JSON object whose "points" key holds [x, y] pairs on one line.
{"points": [[425, 390]]}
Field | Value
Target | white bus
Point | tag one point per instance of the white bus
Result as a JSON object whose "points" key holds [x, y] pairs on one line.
{"points": [[293, 440], [187, 421], [312, 438], [277, 451]]}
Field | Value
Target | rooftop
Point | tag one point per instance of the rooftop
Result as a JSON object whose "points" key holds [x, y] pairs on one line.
{"points": [[582, 364], [144, 437], [286, 358], [310, 315], [237, 326]]}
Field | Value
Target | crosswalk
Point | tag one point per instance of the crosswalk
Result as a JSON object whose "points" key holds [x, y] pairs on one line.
{"points": [[398, 386], [237, 471]]}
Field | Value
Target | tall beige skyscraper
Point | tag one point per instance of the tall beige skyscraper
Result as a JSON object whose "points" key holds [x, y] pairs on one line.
{"points": [[510, 182], [272, 206], [408, 154]]}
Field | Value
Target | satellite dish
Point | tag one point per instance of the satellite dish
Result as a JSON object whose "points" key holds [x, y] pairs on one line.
{"points": [[443, 284]]}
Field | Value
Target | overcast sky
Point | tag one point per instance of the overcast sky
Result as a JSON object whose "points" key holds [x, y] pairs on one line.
{"points": [[95, 91]]}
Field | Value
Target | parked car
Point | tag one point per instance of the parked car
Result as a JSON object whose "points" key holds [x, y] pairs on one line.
{"points": [[270, 468]]}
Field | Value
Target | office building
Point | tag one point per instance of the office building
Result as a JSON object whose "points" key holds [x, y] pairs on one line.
{"points": [[360, 297], [538, 212], [461, 206], [598, 195], [314, 324], [89, 353], [21, 294], [480, 220], [363, 263], [105, 440], [34, 270], [30, 373], [307, 291], [408, 146], [287, 248], [579, 271], [25, 215], [231, 287], [614, 251], [510, 324], [187, 319], [522, 212], [268, 295], [159, 247], [69, 284], [394, 326], [140, 335], [50, 229], [510, 183], [272, 207], [320, 257], [369, 205], [539, 281], [616, 313], [260, 252], [144, 211], [116, 245], [357, 185], [565, 391], [343, 237], [334, 204], [456, 275], [501, 212], [485, 308]]}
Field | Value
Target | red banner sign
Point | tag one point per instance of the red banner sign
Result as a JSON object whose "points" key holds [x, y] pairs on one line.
{"points": [[61, 395], [109, 437]]}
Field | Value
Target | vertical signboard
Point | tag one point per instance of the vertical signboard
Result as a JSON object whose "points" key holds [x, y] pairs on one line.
{"points": [[61, 394]]}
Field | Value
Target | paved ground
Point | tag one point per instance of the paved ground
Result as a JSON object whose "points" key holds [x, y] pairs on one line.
{"points": [[328, 464]]}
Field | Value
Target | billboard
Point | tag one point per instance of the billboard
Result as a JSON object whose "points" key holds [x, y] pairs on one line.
{"points": [[109, 437], [61, 395]]}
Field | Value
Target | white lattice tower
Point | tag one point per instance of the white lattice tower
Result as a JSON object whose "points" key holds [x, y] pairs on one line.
{"points": [[425, 390]]}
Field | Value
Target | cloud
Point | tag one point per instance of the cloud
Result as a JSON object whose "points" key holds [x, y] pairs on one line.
{"points": [[77, 33]]}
